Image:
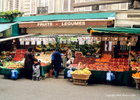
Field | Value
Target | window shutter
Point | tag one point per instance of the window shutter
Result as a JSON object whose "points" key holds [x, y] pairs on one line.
{"points": [[65, 5], [0, 5], [33, 7], [10, 5], [123, 6], [16, 5], [46, 2], [51, 6], [82, 8], [71, 5], [89, 7], [102, 7]]}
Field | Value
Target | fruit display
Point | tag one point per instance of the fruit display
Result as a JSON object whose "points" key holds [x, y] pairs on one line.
{"points": [[105, 58], [11, 65], [17, 57], [19, 54], [135, 66], [84, 71], [3, 56], [39, 47], [137, 75], [118, 61], [44, 58], [103, 67]]}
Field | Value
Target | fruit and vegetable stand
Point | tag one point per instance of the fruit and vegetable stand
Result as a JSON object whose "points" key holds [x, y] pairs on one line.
{"points": [[7, 71], [121, 78]]}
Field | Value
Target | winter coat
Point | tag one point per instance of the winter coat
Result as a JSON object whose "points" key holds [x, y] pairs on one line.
{"points": [[56, 60], [29, 60]]}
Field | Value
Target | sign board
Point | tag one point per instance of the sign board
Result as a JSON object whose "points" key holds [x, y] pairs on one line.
{"points": [[65, 23], [123, 47]]}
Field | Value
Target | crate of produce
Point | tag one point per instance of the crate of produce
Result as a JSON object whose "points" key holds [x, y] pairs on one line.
{"points": [[78, 54], [18, 51], [81, 74], [136, 77]]}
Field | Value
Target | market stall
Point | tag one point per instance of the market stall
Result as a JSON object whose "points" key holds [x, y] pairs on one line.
{"points": [[115, 53], [14, 58]]}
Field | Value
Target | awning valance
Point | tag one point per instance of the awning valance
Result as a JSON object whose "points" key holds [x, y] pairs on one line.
{"points": [[114, 30]]}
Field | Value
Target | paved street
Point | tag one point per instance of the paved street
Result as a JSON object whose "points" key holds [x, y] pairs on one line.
{"points": [[62, 89]]}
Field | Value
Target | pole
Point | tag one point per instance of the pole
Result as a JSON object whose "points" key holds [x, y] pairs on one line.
{"points": [[129, 54]]}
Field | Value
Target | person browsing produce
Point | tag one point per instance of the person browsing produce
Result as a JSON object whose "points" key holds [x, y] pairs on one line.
{"points": [[28, 63], [56, 62], [68, 53]]}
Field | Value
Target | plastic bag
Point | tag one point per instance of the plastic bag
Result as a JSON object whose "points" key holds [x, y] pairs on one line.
{"points": [[14, 74], [110, 76], [68, 73]]}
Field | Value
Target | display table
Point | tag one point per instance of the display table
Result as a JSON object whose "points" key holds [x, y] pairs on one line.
{"points": [[5, 71], [45, 69], [121, 78]]}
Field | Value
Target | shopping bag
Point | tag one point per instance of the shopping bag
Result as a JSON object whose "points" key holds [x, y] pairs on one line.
{"points": [[110, 76], [68, 73], [14, 74]]}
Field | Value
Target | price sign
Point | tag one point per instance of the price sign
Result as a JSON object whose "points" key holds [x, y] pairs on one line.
{"points": [[45, 41], [123, 47], [33, 41], [27, 41], [38, 41]]}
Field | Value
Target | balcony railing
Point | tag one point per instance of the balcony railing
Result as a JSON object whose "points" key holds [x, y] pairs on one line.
{"points": [[42, 10]]}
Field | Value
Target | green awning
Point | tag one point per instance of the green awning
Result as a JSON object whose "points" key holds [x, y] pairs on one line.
{"points": [[114, 30], [4, 27], [82, 16]]}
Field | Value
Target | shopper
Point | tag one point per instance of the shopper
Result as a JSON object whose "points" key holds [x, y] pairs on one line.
{"points": [[56, 62], [29, 61], [68, 53]]}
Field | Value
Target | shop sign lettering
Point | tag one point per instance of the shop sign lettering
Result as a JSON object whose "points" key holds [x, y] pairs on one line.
{"points": [[72, 23], [44, 24]]}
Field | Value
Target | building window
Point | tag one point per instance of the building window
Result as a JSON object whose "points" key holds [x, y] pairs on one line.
{"points": [[51, 4], [33, 7], [123, 6], [43, 3], [1, 1], [68, 5], [13, 5]]}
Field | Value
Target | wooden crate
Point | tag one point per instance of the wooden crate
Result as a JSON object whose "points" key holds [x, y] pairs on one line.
{"points": [[46, 75], [138, 86], [79, 82]]}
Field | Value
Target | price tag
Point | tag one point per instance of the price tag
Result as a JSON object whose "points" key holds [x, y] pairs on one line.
{"points": [[45, 41], [33, 41], [27, 41], [21, 42], [38, 41]]}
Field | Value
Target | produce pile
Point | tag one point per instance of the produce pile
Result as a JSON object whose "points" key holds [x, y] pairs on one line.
{"points": [[102, 67], [11, 65], [135, 66], [44, 58], [84, 71], [137, 75], [19, 54], [80, 58]]}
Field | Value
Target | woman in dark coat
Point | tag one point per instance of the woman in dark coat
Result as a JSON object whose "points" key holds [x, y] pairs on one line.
{"points": [[29, 61]]}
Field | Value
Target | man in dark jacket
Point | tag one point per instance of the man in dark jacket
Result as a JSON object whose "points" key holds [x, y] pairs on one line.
{"points": [[56, 62], [29, 61]]}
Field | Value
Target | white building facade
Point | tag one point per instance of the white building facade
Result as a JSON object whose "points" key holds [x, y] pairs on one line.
{"points": [[44, 7]]}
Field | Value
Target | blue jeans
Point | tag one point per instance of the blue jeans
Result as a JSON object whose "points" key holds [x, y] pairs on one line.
{"points": [[56, 73]]}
